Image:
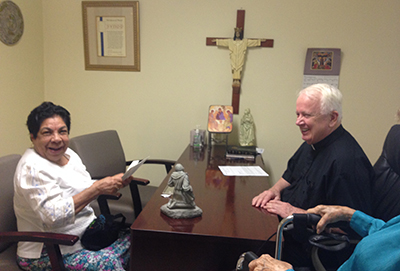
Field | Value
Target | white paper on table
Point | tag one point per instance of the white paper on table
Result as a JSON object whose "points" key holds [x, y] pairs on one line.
{"points": [[242, 171]]}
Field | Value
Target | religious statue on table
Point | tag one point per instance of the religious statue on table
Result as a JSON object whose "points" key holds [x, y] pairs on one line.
{"points": [[238, 47], [247, 129], [181, 203], [182, 196]]}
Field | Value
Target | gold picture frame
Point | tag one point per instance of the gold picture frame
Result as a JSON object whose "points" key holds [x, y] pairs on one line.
{"points": [[111, 35]]}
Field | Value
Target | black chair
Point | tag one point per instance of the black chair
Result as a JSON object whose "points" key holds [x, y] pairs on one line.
{"points": [[103, 155], [386, 200], [9, 236]]}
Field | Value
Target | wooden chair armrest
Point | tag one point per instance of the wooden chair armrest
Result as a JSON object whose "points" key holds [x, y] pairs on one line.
{"points": [[41, 237], [52, 241], [113, 197], [140, 181], [102, 201]]}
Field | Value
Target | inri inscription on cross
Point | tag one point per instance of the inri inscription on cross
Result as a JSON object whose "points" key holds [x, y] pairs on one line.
{"points": [[238, 47]]}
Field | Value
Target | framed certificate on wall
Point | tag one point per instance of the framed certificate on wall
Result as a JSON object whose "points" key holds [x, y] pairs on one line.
{"points": [[111, 35]]}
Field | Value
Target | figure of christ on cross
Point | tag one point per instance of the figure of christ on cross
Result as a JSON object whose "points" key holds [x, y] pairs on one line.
{"points": [[238, 48]]}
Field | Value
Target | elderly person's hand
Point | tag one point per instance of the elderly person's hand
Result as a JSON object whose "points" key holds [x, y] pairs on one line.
{"points": [[110, 185], [127, 181], [263, 198], [267, 263], [283, 209], [331, 214], [274, 193]]}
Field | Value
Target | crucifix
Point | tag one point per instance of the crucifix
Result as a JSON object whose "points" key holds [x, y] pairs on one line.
{"points": [[238, 47]]}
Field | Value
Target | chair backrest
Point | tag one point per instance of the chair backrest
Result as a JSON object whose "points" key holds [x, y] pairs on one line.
{"points": [[101, 153], [386, 200], [8, 222]]}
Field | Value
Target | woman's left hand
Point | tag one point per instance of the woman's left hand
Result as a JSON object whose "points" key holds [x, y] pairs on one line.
{"points": [[331, 214]]}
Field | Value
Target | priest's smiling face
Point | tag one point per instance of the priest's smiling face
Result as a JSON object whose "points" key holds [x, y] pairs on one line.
{"points": [[313, 125]]}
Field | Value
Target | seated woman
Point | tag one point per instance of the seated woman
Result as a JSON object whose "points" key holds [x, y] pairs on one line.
{"points": [[378, 250], [52, 194]]}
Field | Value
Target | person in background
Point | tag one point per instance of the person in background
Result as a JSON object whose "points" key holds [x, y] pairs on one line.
{"points": [[378, 250], [329, 167], [52, 192]]}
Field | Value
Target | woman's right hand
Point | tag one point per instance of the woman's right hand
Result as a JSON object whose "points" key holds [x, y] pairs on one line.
{"points": [[106, 186], [110, 185]]}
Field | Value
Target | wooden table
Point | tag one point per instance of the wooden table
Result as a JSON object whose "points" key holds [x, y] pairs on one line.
{"points": [[228, 227]]}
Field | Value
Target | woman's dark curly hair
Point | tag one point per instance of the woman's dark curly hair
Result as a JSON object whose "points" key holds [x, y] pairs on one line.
{"points": [[44, 111]]}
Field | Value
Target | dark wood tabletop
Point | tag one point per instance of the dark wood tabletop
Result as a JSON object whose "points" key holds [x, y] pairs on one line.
{"points": [[228, 226]]}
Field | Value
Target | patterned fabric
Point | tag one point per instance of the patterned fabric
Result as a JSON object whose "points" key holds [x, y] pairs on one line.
{"points": [[114, 257]]}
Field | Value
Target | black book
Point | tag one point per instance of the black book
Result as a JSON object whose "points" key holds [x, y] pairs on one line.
{"points": [[241, 152], [249, 150]]}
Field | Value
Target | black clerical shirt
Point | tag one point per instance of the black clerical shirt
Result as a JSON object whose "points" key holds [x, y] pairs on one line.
{"points": [[334, 171]]}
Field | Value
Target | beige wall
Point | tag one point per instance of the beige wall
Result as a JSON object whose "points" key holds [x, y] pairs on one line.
{"points": [[154, 109], [21, 79]]}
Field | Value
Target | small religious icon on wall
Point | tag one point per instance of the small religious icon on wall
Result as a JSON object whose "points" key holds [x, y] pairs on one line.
{"points": [[322, 60], [322, 65], [181, 203]]}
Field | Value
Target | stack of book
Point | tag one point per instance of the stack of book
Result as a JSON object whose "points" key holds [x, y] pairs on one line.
{"points": [[248, 153]]}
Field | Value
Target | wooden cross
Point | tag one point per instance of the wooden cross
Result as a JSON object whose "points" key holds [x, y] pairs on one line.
{"points": [[236, 85]]}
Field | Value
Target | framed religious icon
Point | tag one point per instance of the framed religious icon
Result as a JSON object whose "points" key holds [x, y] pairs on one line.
{"points": [[220, 119], [322, 65], [111, 35], [322, 61]]}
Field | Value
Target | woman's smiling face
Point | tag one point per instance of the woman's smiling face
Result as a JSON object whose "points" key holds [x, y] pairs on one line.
{"points": [[52, 140]]}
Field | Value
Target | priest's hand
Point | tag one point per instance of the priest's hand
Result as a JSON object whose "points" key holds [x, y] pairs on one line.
{"points": [[263, 198], [274, 193]]}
